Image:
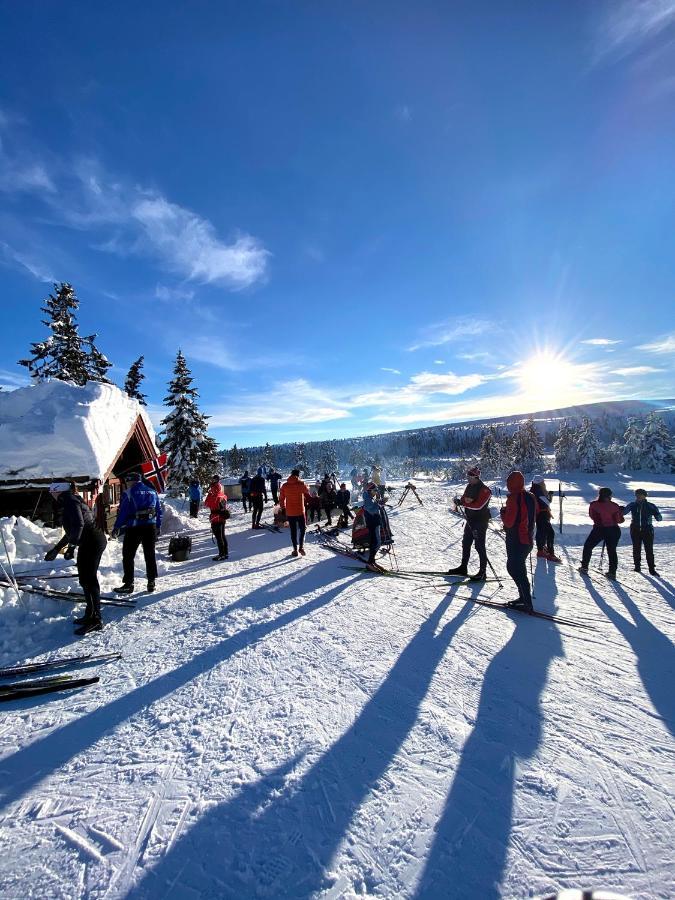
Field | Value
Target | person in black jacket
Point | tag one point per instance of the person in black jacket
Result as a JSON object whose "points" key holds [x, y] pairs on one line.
{"points": [[342, 500], [245, 482], [257, 493], [327, 494], [82, 534], [275, 478]]}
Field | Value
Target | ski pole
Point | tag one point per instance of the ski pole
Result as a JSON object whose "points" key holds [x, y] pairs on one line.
{"points": [[602, 555], [529, 556], [475, 538]]}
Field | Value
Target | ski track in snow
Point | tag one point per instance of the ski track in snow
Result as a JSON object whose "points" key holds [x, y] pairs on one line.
{"points": [[284, 727]]}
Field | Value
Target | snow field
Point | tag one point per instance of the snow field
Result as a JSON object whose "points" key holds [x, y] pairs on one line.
{"points": [[285, 727]]}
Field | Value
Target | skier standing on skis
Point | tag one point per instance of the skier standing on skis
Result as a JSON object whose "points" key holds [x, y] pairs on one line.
{"points": [[216, 501], [275, 478], [140, 519], [81, 533], [327, 494], [371, 510], [257, 497], [518, 518], [475, 503], [545, 536], [195, 496], [342, 499], [292, 498], [606, 516], [642, 530]]}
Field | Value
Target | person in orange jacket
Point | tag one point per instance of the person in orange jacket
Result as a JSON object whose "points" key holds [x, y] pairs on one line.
{"points": [[606, 516], [292, 498], [475, 503], [216, 501], [519, 518]]}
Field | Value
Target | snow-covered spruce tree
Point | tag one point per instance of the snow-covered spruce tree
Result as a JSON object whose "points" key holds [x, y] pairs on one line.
{"points": [[210, 463], [97, 362], [527, 448], [268, 456], [300, 459], [132, 385], [657, 444], [235, 461], [588, 448], [495, 453], [632, 448], [565, 447], [184, 428], [63, 355]]}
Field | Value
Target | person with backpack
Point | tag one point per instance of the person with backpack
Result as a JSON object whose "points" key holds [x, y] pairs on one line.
{"points": [[294, 493], [642, 529], [81, 534], [245, 482], [327, 494], [545, 536], [275, 478], [342, 500], [371, 512], [195, 497], [257, 497], [474, 503], [139, 518], [607, 516], [519, 519], [216, 501]]}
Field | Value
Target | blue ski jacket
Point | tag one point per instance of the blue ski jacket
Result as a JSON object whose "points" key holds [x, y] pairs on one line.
{"points": [[642, 512], [139, 506], [195, 493]]}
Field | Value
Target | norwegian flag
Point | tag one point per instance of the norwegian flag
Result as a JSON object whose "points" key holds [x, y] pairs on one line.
{"points": [[154, 471]]}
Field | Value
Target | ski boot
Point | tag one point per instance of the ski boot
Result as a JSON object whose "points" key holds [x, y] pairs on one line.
{"points": [[542, 554], [583, 570], [479, 576], [295, 553], [520, 604], [551, 557], [654, 573], [151, 586], [301, 551], [458, 570], [124, 589], [92, 624], [610, 575]]}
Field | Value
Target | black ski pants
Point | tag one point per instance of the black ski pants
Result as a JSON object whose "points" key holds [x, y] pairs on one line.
{"points": [[327, 507], [245, 498], [640, 536], [297, 526], [314, 511], [275, 492], [194, 508], [611, 535], [135, 536], [218, 531], [257, 506], [346, 512], [516, 566], [373, 523], [545, 533], [92, 544], [474, 533]]}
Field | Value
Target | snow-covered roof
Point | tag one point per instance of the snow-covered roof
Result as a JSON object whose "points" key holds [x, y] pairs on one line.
{"points": [[57, 429]]}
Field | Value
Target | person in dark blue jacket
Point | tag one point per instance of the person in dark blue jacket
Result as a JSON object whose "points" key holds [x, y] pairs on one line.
{"points": [[195, 495], [245, 482], [275, 478], [139, 518], [82, 534], [642, 530]]}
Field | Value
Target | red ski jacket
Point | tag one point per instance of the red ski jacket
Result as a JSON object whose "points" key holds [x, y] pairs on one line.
{"points": [[605, 513]]}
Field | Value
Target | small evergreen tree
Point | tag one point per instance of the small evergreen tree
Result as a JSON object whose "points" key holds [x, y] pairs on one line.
{"points": [[633, 446], [657, 445], [588, 448], [268, 456], [235, 460], [210, 462], [97, 363], [565, 447], [132, 385], [184, 428], [300, 459], [527, 447], [495, 453]]}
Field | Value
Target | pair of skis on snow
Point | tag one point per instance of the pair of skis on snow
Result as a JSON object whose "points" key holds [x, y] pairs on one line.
{"points": [[64, 682]]}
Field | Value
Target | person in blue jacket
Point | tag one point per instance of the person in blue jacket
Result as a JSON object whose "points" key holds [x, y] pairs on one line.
{"points": [[195, 495], [139, 518], [642, 530], [371, 510]]}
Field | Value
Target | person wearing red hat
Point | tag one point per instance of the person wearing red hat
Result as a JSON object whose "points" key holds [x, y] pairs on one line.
{"points": [[519, 518], [475, 505]]}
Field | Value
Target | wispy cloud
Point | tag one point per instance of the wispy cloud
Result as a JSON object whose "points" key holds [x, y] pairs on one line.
{"points": [[635, 370], [419, 389], [9, 381], [452, 330], [300, 401], [665, 344], [17, 258], [600, 342], [403, 113], [439, 362], [627, 24], [173, 294], [393, 371]]}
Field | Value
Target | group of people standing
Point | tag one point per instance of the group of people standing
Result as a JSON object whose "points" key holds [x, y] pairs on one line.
{"points": [[527, 511]]}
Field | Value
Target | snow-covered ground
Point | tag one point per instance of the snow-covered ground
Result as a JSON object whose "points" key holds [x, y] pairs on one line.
{"points": [[284, 727]]}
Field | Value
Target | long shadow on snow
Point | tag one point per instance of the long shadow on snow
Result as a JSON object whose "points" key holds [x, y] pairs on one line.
{"points": [[23, 769], [268, 843], [665, 588], [468, 854], [654, 652]]}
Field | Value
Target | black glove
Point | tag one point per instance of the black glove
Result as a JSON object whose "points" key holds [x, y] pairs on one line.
{"points": [[51, 555], [70, 552]]}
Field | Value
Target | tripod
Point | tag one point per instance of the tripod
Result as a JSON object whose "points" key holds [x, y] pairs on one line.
{"points": [[409, 487]]}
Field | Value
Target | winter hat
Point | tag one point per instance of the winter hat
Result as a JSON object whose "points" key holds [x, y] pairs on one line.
{"points": [[474, 471], [605, 493], [641, 491], [515, 482], [132, 476], [58, 487], [538, 479], [296, 472]]}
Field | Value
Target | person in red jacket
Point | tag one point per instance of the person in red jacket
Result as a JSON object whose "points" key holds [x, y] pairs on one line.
{"points": [[294, 494], [606, 516], [519, 518], [475, 504], [216, 501]]}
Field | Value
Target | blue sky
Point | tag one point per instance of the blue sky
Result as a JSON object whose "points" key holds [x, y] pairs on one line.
{"points": [[351, 217]]}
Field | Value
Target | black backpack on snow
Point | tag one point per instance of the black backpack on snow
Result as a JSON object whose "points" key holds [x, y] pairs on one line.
{"points": [[179, 547]]}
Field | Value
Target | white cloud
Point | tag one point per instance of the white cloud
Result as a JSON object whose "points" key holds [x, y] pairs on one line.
{"points": [[600, 342], [439, 362], [629, 23], [15, 258], [457, 329], [635, 370], [173, 295], [9, 381], [419, 388], [291, 401], [666, 344], [393, 371]]}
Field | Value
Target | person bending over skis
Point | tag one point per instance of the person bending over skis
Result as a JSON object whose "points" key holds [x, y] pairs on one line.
{"points": [[475, 503]]}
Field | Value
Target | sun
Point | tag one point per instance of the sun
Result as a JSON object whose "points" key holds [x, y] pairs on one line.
{"points": [[548, 380]]}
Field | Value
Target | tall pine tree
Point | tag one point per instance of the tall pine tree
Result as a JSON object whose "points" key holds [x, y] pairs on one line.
{"points": [[588, 448], [210, 462], [301, 459], [235, 461], [184, 428], [657, 445], [495, 453], [527, 448], [565, 447], [132, 385], [632, 447]]}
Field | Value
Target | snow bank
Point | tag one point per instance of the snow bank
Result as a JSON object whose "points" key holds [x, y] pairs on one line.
{"points": [[175, 516]]}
